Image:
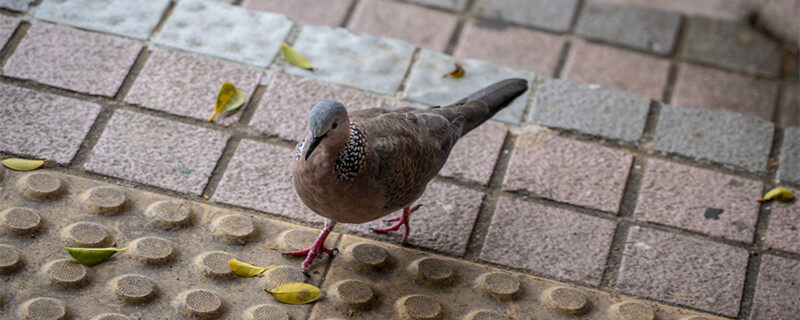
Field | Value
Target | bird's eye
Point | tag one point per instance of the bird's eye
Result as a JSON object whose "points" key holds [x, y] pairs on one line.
{"points": [[334, 125]]}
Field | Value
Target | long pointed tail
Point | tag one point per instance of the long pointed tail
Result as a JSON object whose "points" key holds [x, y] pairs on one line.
{"points": [[485, 103]]}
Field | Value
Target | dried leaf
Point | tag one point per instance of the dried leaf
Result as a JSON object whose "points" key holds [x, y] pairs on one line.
{"points": [[779, 194], [457, 73], [295, 293], [92, 256], [295, 58], [246, 270], [24, 164], [228, 99]]}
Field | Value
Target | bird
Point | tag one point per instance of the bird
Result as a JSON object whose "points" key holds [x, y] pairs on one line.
{"points": [[356, 167]]}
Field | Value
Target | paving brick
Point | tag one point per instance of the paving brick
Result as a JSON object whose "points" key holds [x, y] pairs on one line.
{"points": [[426, 84], [617, 69], [516, 47], [719, 9], [225, 31], [776, 289], [631, 26], [259, 177], [474, 156], [683, 270], [157, 152], [135, 19], [453, 5], [548, 241], [311, 12], [789, 169], [699, 200], [732, 45], [16, 5], [187, 85], [589, 109], [443, 223], [284, 109], [7, 27], [788, 114], [43, 125], [716, 135], [784, 225], [424, 27], [73, 59], [568, 171], [362, 61], [552, 15]]}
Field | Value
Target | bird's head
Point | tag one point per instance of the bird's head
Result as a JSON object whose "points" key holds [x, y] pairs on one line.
{"points": [[328, 124]]}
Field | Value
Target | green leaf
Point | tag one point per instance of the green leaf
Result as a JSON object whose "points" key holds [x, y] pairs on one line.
{"points": [[295, 58], [24, 164], [246, 270], [780, 194], [295, 293], [92, 256], [228, 99]]}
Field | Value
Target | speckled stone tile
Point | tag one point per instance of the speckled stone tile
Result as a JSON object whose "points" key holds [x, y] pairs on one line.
{"points": [[783, 230], [187, 85], [683, 270], [157, 152], [225, 31], [284, 109], [361, 61], [789, 168], [135, 19], [551, 15], [443, 223], [776, 295], [544, 240], [474, 156], [73, 59], [427, 85], [630, 26], [590, 109], [427, 28], [43, 125], [16, 5], [451, 5], [699, 200], [568, 171], [306, 12], [788, 114], [7, 27]]}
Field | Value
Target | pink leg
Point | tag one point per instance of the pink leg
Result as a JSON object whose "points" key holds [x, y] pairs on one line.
{"points": [[402, 220], [316, 250]]}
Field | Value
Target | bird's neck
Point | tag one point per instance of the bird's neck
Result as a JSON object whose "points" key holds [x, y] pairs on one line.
{"points": [[353, 155]]}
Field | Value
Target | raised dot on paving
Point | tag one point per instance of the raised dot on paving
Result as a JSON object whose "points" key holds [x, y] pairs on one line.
{"points": [[281, 275], [215, 264], [499, 285], [134, 288], [370, 255], [87, 235], [11, 259], [105, 200], [420, 307], [298, 239], [567, 301], [171, 215], [111, 316], [266, 312], [235, 228], [44, 308], [200, 304], [21, 221], [632, 311], [66, 273], [354, 293], [41, 185], [153, 250], [485, 315], [436, 271]]}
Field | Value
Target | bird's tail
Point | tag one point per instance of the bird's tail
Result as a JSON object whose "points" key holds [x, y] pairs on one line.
{"points": [[495, 97]]}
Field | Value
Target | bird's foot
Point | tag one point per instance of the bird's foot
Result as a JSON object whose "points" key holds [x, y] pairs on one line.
{"points": [[315, 250], [402, 220]]}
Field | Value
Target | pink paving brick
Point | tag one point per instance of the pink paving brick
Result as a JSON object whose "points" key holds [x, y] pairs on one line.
{"points": [[7, 27], [708, 88], [568, 171], [549, 241], [73, 59], [284, 109], [443, 223], [187, 85], [789, 106], [516, 47], [617, 69], [424, 27], [699, 200], [784, 225], [308, 12], [777, 288], [474, 156], [683, 270]]}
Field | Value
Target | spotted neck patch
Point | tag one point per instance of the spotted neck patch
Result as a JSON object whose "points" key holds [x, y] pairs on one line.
{"points": [[353, 156]]}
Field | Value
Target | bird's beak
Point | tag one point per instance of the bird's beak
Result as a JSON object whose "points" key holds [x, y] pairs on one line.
{"points": [[313, 145]]}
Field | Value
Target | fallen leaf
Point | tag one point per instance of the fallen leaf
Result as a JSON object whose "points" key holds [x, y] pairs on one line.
{"points": [[24, 164], [457, 73], [92, 256], [295, 58], [246, 270], [295, 293], [779, 194], [228, 99]]}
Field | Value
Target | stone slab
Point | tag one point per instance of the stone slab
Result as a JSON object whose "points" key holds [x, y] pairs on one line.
{"points": [[716, 135], [475, 155], [361, 61], [783, 231], [789, 168], [452, 5], [225, 31], [427, 28], [16, 5], [157, 152], [776, 289], [636, 27], [788, 114], [427, 85], [589, 109], [7, 27], [130, 18], [550, 15], [717, 9], [306, 12]]}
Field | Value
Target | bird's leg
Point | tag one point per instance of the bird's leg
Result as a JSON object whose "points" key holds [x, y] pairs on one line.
{"points": [[317, 249], [402, 220]]}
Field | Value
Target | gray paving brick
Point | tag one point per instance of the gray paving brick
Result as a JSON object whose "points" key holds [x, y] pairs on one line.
{"points": [[553, 15], [589, 109], [454, 5], [732, 45], [16, 5], [631, 26], [225, 31], [426, 84], [362, 61], [720, 136], [131, 18], [789, 169], [43, 125]]}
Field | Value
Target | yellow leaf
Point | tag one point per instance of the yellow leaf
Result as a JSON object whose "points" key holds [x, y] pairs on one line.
{"points": [[457, 73], [246, 270], [23, 164], [295, 293], [780, 194], [92, 256], [228, 99], [294, 57]]}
